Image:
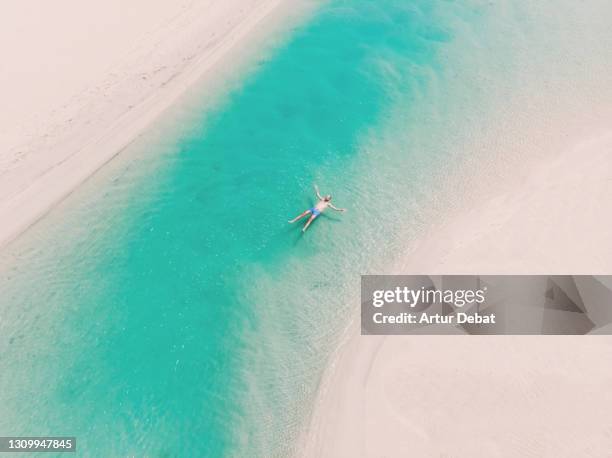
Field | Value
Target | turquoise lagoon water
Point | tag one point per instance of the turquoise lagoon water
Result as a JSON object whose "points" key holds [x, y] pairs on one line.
{"points": [[167, 308]]}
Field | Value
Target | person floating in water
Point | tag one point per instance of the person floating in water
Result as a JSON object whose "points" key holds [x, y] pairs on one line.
{"points": [[319, 208]]}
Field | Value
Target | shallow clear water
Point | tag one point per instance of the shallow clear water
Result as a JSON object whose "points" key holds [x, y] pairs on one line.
{"points": [[168, 309]]}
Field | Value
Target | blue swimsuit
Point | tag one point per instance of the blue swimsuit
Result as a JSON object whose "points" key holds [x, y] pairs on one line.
{"points": [[315, 212]]}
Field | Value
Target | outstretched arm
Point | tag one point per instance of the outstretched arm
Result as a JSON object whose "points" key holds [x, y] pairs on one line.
{"points": [[317, 191], [337, 209]]}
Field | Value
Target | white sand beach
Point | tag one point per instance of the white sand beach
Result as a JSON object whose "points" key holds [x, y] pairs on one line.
{"points": [[85, 79], [487, 396], [549, 212]]}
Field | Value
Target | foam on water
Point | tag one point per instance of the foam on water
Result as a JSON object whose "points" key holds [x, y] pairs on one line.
{"points": [[168, 309]]}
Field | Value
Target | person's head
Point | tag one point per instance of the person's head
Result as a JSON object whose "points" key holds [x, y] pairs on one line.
{"points": [[327, 198]]}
